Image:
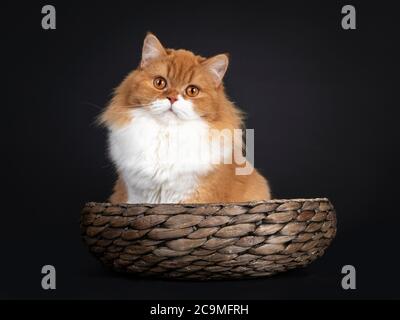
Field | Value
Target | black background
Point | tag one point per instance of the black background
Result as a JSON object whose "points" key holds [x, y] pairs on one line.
{"points": [[323, 102]]}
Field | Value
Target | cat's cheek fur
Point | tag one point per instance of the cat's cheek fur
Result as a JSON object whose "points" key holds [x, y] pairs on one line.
{"points": [[154, 171]]}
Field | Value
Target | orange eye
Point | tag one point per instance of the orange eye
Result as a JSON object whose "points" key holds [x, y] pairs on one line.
{"points": [[192, 91], [159, 83]]}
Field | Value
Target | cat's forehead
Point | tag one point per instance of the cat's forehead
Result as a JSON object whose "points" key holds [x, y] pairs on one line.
{"points": [[179, 65], [184, 57]]}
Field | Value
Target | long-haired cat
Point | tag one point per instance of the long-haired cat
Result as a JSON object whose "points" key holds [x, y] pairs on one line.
{"points": [[159, 122]]}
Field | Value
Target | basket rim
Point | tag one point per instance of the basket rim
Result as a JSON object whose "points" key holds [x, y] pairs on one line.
{"points": [[250, 203]]}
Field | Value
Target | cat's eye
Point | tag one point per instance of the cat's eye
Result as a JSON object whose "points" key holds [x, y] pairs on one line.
{"points": [[192, 91], [159, 83]]}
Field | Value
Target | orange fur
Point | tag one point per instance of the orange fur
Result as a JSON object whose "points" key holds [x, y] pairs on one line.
{"points": [[182, 67]]}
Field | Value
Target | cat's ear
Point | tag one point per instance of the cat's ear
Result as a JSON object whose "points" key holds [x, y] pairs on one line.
{"points": [[152, 49], [217, 66]]}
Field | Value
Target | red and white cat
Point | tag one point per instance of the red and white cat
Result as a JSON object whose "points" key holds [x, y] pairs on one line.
{"points": [[175, 96]]}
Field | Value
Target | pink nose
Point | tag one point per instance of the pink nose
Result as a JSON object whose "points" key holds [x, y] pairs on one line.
{"points": [[172, 99]]}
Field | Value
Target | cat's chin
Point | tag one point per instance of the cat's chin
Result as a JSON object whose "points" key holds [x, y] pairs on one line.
{"points": [[168, 116], [171, 117]]}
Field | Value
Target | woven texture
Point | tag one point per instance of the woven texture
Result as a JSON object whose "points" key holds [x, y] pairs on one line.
{"points": [[209, 241]]}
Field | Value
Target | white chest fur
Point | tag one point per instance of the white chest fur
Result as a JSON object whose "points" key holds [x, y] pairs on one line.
{"points": [[160, 161]]}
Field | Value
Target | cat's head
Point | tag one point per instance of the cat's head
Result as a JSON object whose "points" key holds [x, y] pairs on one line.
{"points": [[170, 85]]}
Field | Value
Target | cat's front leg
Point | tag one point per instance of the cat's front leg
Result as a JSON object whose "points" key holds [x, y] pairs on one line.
{"points": [[120, 194]]}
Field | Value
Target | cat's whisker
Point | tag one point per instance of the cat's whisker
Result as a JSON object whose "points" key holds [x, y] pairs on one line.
{"points": [[92, 105], [136, 106], [113, 111], [204, 114]]}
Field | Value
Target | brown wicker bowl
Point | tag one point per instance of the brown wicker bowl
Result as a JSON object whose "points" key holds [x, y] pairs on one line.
{"points": [[209, 241]]}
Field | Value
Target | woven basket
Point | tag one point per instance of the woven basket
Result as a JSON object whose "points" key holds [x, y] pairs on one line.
{"points": [[209, 241]]}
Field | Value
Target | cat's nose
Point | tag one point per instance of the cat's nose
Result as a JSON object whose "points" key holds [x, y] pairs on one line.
{"points": [[172, 99]]}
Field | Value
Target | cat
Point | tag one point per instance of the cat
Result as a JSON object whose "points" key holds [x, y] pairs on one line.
{"points": [[176, 97]]}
